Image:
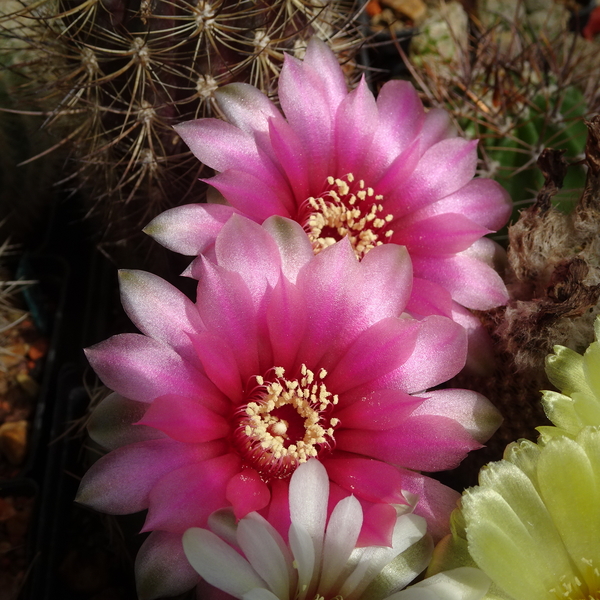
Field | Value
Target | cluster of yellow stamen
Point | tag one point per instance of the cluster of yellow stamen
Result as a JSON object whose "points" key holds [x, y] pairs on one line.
{"points": [[572, 588], [348, 210], [263, 437]]}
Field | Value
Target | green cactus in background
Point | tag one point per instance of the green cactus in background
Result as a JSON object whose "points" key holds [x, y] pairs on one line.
{"points": [[514, 77], [111, 77]]}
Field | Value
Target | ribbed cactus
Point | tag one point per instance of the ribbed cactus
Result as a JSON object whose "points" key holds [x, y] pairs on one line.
{"points": [[115, 75], [516, 78], [553, 275]]}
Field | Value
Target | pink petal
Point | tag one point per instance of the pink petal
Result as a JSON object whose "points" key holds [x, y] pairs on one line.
{"points": [[189, 229], [185, 420], [378, 525], [440, 234], [367, 479], [423, 443], [161, 311], [249, 109], [251, 195], [351, 297], [392, 180], [200, 491], [436, 502], [141, 368], [120, 482], [428, 298], [332, 279], [483, 201], [388, 279], [246, 107], [324, 64], [112, 424], [161, 568], [437, 126], [489, 252], [471, 282], [220, 364], [247, 493], [246, 248], [353, 143], [480, 352], [381, 409], [278, 510], [313, 122], [227, 309], [439, 354], [287, 319], [376, 351], [472, 411], [222, 147], [401, 117], [294, 246], [444, 168], [288, 148]]}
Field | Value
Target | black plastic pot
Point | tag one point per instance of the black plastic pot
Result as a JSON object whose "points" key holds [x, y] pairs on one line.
{"points": [[45, 302]]}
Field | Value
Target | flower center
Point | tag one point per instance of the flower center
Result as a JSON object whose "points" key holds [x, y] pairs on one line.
{"points": [[573, 588], [347, 208], [287, 424]]}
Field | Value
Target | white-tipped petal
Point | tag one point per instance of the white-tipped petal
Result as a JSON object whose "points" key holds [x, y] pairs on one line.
{"points": [[263, 550], [304, 558], [343, 530], [464, 583], [259, 594], [409, 529], [224, 524], [219, 563], [309, 493]]}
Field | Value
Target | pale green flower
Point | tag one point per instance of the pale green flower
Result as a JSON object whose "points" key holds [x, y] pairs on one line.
{"points": [[578, 378], [533, 522]]}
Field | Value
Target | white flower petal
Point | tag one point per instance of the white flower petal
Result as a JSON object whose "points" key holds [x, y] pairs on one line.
{"points": [[398, 573], [309, 493], [264, 553], [464, 583], [343, 529], [219, 563], [304, 559], [285, 550], [259, 594], [409, 529], [224, 524]]}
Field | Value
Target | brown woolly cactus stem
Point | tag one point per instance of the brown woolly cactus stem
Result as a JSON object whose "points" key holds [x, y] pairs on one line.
{"points": [[553, 276], [114, 76], [554, 260]]}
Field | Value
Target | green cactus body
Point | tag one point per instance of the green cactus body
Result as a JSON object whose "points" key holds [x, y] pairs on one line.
{"points": [[556, 122], [522, 83]]}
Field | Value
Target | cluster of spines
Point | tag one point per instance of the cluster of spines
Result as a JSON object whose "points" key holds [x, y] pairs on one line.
{"points": [[518, 87], [115, 76]]}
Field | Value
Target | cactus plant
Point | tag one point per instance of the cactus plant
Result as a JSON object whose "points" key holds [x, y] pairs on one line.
{"points": [[516, 83], [553, 276], [114, 76]]}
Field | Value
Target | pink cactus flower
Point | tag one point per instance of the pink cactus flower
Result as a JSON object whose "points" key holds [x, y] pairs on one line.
{"points": [[344, 164], [286, 355]]}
